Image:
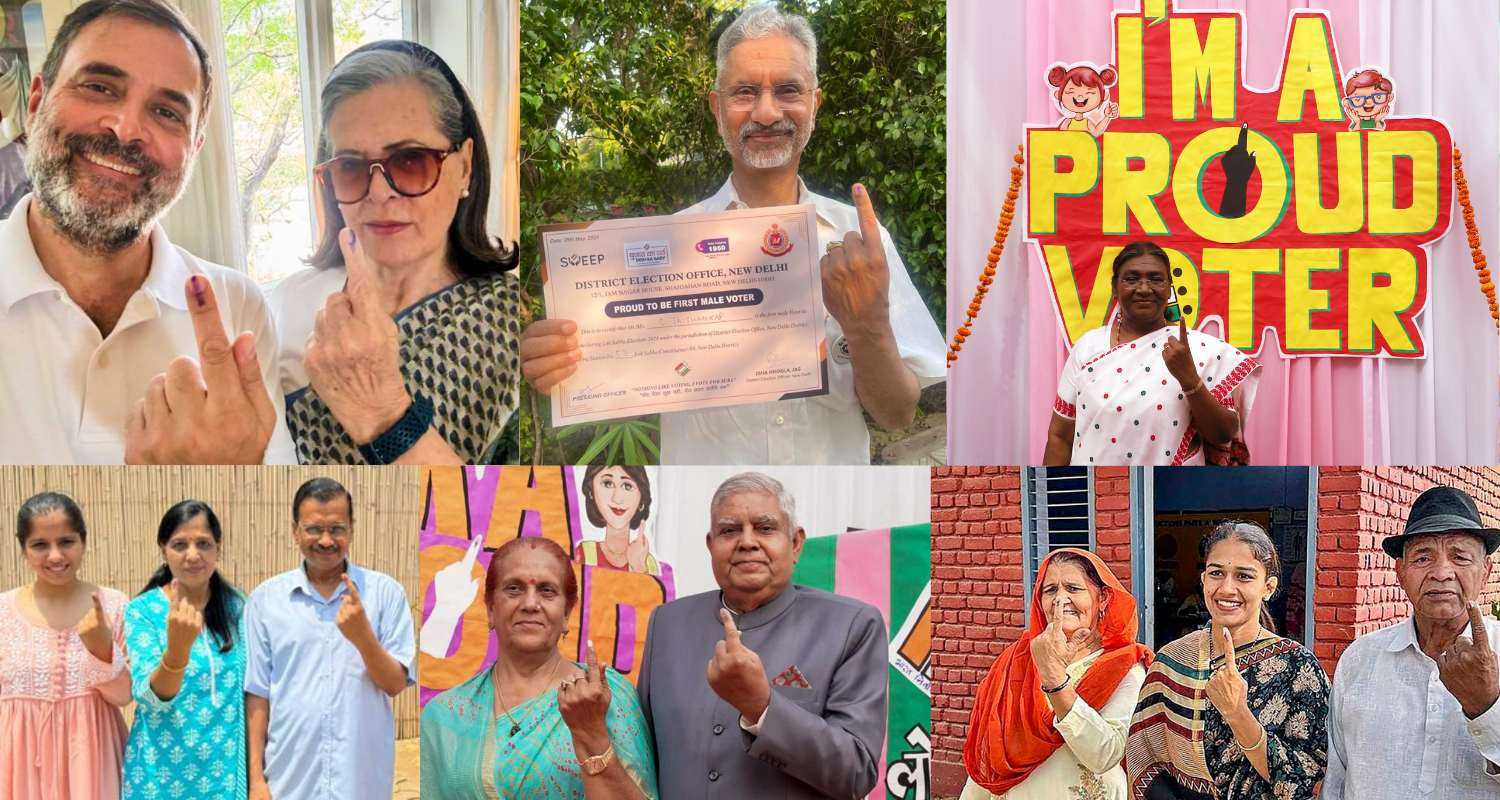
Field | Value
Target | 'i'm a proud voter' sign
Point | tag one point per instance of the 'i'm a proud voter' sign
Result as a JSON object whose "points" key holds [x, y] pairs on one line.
{"points": [[1303, 207]]}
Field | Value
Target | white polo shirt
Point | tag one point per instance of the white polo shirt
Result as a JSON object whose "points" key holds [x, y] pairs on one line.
{"points": [[829, 429], [65, 391]]}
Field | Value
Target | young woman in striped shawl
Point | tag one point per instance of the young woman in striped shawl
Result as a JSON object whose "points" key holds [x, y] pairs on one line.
{"points": [[1249, 727]]}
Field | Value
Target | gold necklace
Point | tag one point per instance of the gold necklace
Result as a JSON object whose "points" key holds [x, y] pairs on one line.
{"points": [[515, 727]]}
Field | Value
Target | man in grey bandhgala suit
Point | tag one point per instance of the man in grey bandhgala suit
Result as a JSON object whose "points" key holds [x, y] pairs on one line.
{"points": [[762, 688]]}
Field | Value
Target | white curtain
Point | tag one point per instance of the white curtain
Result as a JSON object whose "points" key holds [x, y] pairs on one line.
{"points": [[480, 40], [499, 103], [205, 220]]}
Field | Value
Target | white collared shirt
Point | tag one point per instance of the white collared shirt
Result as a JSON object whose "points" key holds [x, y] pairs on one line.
{"points": [[65, 391], [295, 302], [332, 731], [829, 429], [1395, 732]]}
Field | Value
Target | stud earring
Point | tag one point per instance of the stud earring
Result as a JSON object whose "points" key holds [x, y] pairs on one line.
{"points": [[464, 193]]}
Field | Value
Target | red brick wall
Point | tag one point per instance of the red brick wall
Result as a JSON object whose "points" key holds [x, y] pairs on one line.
{"points": [[977, 584], [1112, 519], [1356, 590]]}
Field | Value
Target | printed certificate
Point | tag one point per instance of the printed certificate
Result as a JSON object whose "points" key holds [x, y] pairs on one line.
{"points": [[687, 311]]}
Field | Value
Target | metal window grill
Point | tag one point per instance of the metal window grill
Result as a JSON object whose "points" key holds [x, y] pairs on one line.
{"points": [[1057, 510]]}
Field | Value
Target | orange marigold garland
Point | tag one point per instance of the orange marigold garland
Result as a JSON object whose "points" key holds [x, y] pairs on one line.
{"points": [[1481, 267], [987, 277]]}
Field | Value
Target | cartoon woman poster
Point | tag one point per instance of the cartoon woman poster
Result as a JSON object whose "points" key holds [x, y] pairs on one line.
{"points": [[1083, 95], [617, 499], [1368, 98]]}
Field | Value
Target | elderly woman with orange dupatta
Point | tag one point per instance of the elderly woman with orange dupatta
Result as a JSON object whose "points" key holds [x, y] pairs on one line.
{"points": [[1052, 716]]}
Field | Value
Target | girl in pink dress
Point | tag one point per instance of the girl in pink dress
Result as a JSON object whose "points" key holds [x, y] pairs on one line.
{"points": [[62, 666]]}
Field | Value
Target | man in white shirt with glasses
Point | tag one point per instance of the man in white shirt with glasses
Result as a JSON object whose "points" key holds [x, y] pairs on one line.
{"points": [[883, 343]]}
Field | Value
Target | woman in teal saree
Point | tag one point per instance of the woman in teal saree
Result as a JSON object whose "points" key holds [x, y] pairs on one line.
{"points": [[536, 725]]}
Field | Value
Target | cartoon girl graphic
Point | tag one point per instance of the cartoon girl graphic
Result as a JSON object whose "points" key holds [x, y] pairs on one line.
{"points": [[1081, 90], [1368, 97], [617, 499]]}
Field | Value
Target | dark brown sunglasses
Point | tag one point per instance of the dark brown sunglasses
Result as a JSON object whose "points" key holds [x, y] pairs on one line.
{"points": [[410, 172]]}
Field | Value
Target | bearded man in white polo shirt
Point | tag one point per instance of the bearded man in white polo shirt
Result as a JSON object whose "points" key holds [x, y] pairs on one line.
{"points": [[119, 345], [883, 343]]}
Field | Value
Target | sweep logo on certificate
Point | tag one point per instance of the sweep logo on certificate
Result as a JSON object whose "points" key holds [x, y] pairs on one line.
{"points": [[687, 311]]}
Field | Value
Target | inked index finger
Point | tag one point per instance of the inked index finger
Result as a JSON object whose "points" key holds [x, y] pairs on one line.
{"points": [[359, 281], [869, 226], [731, 633], [215, 355], [351, 588], [1244, 135], [1229, 662], [591, 658], [1477, 631]]}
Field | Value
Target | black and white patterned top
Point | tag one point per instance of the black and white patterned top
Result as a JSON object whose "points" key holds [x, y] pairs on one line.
{"points": [[459, 349]]}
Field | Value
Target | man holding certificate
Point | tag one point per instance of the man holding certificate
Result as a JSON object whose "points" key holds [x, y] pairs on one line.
{"points": [[878, 342]]}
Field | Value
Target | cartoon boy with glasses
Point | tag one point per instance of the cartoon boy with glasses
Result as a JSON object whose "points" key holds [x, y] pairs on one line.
{"points": [[1367, 100]]}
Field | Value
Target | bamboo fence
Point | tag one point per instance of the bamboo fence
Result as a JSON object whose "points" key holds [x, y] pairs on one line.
{"points": [[122, 507]]}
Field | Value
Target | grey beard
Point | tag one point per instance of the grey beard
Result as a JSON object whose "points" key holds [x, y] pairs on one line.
{"points": [[95, 230], [779, 157], [87, 232]]}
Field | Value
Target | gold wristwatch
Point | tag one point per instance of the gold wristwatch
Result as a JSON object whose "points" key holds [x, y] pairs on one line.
{"points": [[593, 765]]}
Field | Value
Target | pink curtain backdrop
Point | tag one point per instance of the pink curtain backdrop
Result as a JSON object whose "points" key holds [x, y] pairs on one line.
{"points": [[1442, 410]]}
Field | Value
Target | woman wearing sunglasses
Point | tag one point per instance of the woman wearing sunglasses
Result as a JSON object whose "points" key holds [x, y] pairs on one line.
{"points": [[399, 343]]}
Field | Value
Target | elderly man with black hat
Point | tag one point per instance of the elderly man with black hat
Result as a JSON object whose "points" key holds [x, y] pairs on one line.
{"points": [[1413, 712]]}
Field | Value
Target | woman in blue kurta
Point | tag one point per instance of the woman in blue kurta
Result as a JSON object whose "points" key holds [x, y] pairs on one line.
{"points": [[188, 737]]}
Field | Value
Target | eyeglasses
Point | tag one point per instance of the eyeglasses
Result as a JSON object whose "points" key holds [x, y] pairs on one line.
{"points": [[786, 95], [410, 172], [1354, 101], [317, 531]]}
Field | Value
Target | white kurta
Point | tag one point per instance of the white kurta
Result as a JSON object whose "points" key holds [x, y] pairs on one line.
{"points": [[1088, 765]]}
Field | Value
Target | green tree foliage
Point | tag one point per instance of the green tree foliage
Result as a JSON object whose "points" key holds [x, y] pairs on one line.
{"points": [[260, 48], [615, 122], [264, 91], [883, 123]]}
